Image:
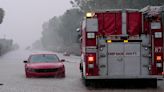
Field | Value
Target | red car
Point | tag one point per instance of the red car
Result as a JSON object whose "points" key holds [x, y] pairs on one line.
{"points": [[44, 65]]}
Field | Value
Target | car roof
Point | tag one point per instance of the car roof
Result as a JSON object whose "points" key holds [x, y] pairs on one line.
{"points": [[41, 53]]}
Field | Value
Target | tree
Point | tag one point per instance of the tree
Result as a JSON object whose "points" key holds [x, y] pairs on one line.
{"points": [[1, 15], [59, 33], [87, 5], [50, 34]]}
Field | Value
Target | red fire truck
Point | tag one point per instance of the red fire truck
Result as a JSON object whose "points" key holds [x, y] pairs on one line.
{"points": [[123, 45]]}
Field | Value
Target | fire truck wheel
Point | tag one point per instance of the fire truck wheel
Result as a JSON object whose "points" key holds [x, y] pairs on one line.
{"points": [[86, 82], [153, 84]]}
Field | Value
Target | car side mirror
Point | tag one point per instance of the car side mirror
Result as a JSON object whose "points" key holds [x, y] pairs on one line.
{"points": [[25, 61], [62, 60]]}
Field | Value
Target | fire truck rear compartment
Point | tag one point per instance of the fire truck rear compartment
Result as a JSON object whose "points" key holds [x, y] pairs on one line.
{"points": [[124, 59]]}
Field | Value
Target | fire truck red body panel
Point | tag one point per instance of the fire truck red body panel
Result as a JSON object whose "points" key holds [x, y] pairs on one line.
{"points": [[109, 23], [134, 23]]}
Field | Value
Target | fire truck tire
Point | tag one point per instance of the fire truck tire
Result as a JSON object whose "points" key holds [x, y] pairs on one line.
{"points": [[81, 70], [81, 67], [152, 83], [87, 83]]}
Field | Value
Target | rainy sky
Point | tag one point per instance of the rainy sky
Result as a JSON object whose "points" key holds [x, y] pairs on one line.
{"points": [[24, 18]]}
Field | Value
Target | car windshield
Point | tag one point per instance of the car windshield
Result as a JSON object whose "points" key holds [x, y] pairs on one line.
{"points": [[44, 58]]}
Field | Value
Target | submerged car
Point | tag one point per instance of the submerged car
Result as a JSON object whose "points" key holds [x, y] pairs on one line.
{"points": [[44, 65]]}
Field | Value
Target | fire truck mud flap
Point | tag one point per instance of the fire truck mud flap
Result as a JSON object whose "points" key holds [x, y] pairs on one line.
{"points": [[121, 83]]}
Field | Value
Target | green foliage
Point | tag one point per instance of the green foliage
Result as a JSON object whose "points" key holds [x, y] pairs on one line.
{"points": [[60, 32], [1, 15], [87, 5]]}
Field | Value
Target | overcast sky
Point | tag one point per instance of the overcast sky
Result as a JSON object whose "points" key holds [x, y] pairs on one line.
{"points": [[24, 18]]}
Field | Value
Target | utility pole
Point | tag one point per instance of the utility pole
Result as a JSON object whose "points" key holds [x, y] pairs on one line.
{"points": [[123, 4], [1, 20], [149, 2]]}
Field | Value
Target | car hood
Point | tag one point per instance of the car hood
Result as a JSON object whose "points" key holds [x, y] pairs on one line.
{"points": [[44, 65]]}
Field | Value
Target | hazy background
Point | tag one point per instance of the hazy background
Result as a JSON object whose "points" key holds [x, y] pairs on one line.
{"points": [[24, 18]]}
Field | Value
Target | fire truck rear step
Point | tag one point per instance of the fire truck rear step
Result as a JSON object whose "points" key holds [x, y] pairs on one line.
{"points": [[122, 83]]}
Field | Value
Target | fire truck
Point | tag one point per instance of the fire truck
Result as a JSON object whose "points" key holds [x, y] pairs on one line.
{"points": [[123, 45]]}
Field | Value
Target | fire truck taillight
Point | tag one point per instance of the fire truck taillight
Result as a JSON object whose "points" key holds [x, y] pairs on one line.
{"points": [[90, 66], [158, 58], [158, 34], [159, 65], [90, 35], [91, 59], [162, 73]]}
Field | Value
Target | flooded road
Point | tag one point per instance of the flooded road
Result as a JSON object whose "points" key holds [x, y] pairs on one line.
{"points": [[13, 78]]}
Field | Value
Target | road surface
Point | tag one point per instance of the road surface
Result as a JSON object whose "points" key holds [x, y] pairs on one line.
{"points": [[13, 78]]}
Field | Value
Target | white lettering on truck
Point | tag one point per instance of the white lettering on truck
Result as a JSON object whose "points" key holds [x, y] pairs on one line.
{"points": [[158, 49]]}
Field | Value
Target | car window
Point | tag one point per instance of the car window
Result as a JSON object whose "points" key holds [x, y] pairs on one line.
{"points": [[44, 58]]}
